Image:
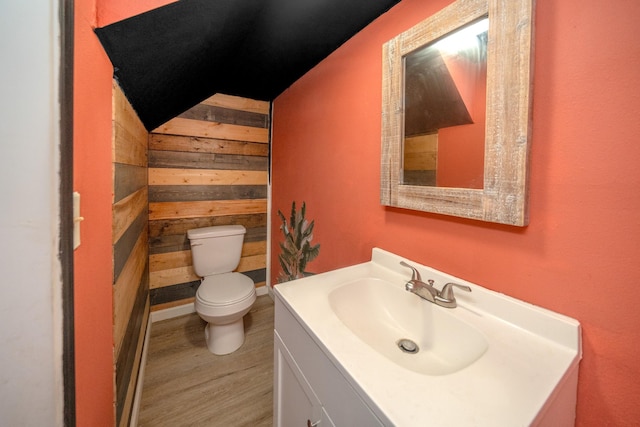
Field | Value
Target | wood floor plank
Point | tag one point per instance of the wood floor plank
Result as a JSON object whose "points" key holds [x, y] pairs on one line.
{"points": [[186, 385]]}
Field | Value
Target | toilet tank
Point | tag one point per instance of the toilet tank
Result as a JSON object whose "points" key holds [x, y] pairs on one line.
{"points": [[217, 249]]}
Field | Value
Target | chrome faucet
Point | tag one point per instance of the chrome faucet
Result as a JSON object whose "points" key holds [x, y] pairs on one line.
{"points": [[443, 298]]}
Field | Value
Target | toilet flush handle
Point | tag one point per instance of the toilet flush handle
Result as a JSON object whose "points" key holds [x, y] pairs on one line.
{"points": [[196, 244]]}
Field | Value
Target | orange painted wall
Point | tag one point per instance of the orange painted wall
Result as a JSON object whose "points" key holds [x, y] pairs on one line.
{"points": [[580, 254], [93, 269], [110, 11], [461, 148]]}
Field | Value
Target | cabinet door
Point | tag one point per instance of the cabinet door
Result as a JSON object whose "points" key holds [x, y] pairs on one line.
{"points": [[325, 421], [295, 403]]}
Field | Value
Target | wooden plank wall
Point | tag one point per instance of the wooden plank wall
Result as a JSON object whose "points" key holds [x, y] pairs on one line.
{"points": [[420, 159], [130, 250], [208, 166]]}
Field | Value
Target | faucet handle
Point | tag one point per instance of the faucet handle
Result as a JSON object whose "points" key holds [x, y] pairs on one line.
{"points": [[415, 275], [447, 291]]}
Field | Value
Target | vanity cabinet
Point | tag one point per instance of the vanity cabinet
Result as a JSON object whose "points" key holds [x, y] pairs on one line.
{"points": [[492, 361], [309, 390]]}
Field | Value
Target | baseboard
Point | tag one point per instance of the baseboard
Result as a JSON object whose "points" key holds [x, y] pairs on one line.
{"points": [[262, 290], [171, 312], [137, 399]]}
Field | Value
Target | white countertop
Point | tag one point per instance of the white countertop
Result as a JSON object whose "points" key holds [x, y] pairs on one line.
{"points": [[531, 354]]}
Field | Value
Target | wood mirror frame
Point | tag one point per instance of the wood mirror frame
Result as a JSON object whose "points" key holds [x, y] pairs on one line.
{"points": [[504, 197]]}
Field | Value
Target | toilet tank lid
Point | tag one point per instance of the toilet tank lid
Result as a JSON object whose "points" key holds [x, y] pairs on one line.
{"points": [[215, 231]]}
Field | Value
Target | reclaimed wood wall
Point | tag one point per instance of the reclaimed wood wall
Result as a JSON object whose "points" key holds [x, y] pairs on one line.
{"points": [[130, 250], [208, 166], [420, 159]]}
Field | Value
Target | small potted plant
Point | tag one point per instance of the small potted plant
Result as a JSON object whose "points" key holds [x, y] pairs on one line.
{"points": [[296, 248]]}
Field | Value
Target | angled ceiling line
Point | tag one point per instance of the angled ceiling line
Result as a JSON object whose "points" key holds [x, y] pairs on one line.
{"points": [[171, 58]]}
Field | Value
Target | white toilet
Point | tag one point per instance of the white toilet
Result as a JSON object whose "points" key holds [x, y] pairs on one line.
{"points": [[223, 297]]}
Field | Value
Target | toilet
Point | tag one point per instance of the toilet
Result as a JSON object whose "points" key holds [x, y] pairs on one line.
{"points": [[224, 296]]}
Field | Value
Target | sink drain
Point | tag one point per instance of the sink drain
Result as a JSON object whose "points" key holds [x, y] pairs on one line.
{"points": [[408, 346]]}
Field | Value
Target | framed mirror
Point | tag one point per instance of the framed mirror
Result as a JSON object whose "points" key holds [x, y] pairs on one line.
{"points": [[456, 112]]}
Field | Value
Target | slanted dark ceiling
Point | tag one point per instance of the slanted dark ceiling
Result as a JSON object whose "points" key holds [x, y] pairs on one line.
{"points": [[169, 59]]}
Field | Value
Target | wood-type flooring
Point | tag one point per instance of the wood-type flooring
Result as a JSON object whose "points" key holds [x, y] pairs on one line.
{"points": [[186, 385]]}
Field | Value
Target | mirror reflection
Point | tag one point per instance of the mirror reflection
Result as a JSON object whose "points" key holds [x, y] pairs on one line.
{"points": [[445, 92]]}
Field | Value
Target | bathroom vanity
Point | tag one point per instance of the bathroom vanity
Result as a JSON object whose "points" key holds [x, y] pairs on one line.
{"points": [[341, 358]]}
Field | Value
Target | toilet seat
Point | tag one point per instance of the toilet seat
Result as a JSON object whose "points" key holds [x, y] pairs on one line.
{"points": [[222, 290]]}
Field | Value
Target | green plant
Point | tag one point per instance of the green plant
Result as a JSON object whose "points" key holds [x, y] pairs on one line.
{"points": [[296, 248]]}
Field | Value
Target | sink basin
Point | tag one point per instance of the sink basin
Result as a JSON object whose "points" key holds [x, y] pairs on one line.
{"points": [[391, 320]]}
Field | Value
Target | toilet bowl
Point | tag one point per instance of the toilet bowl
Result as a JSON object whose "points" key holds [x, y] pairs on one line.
{"points": [[224, 297], [222, 300]]}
